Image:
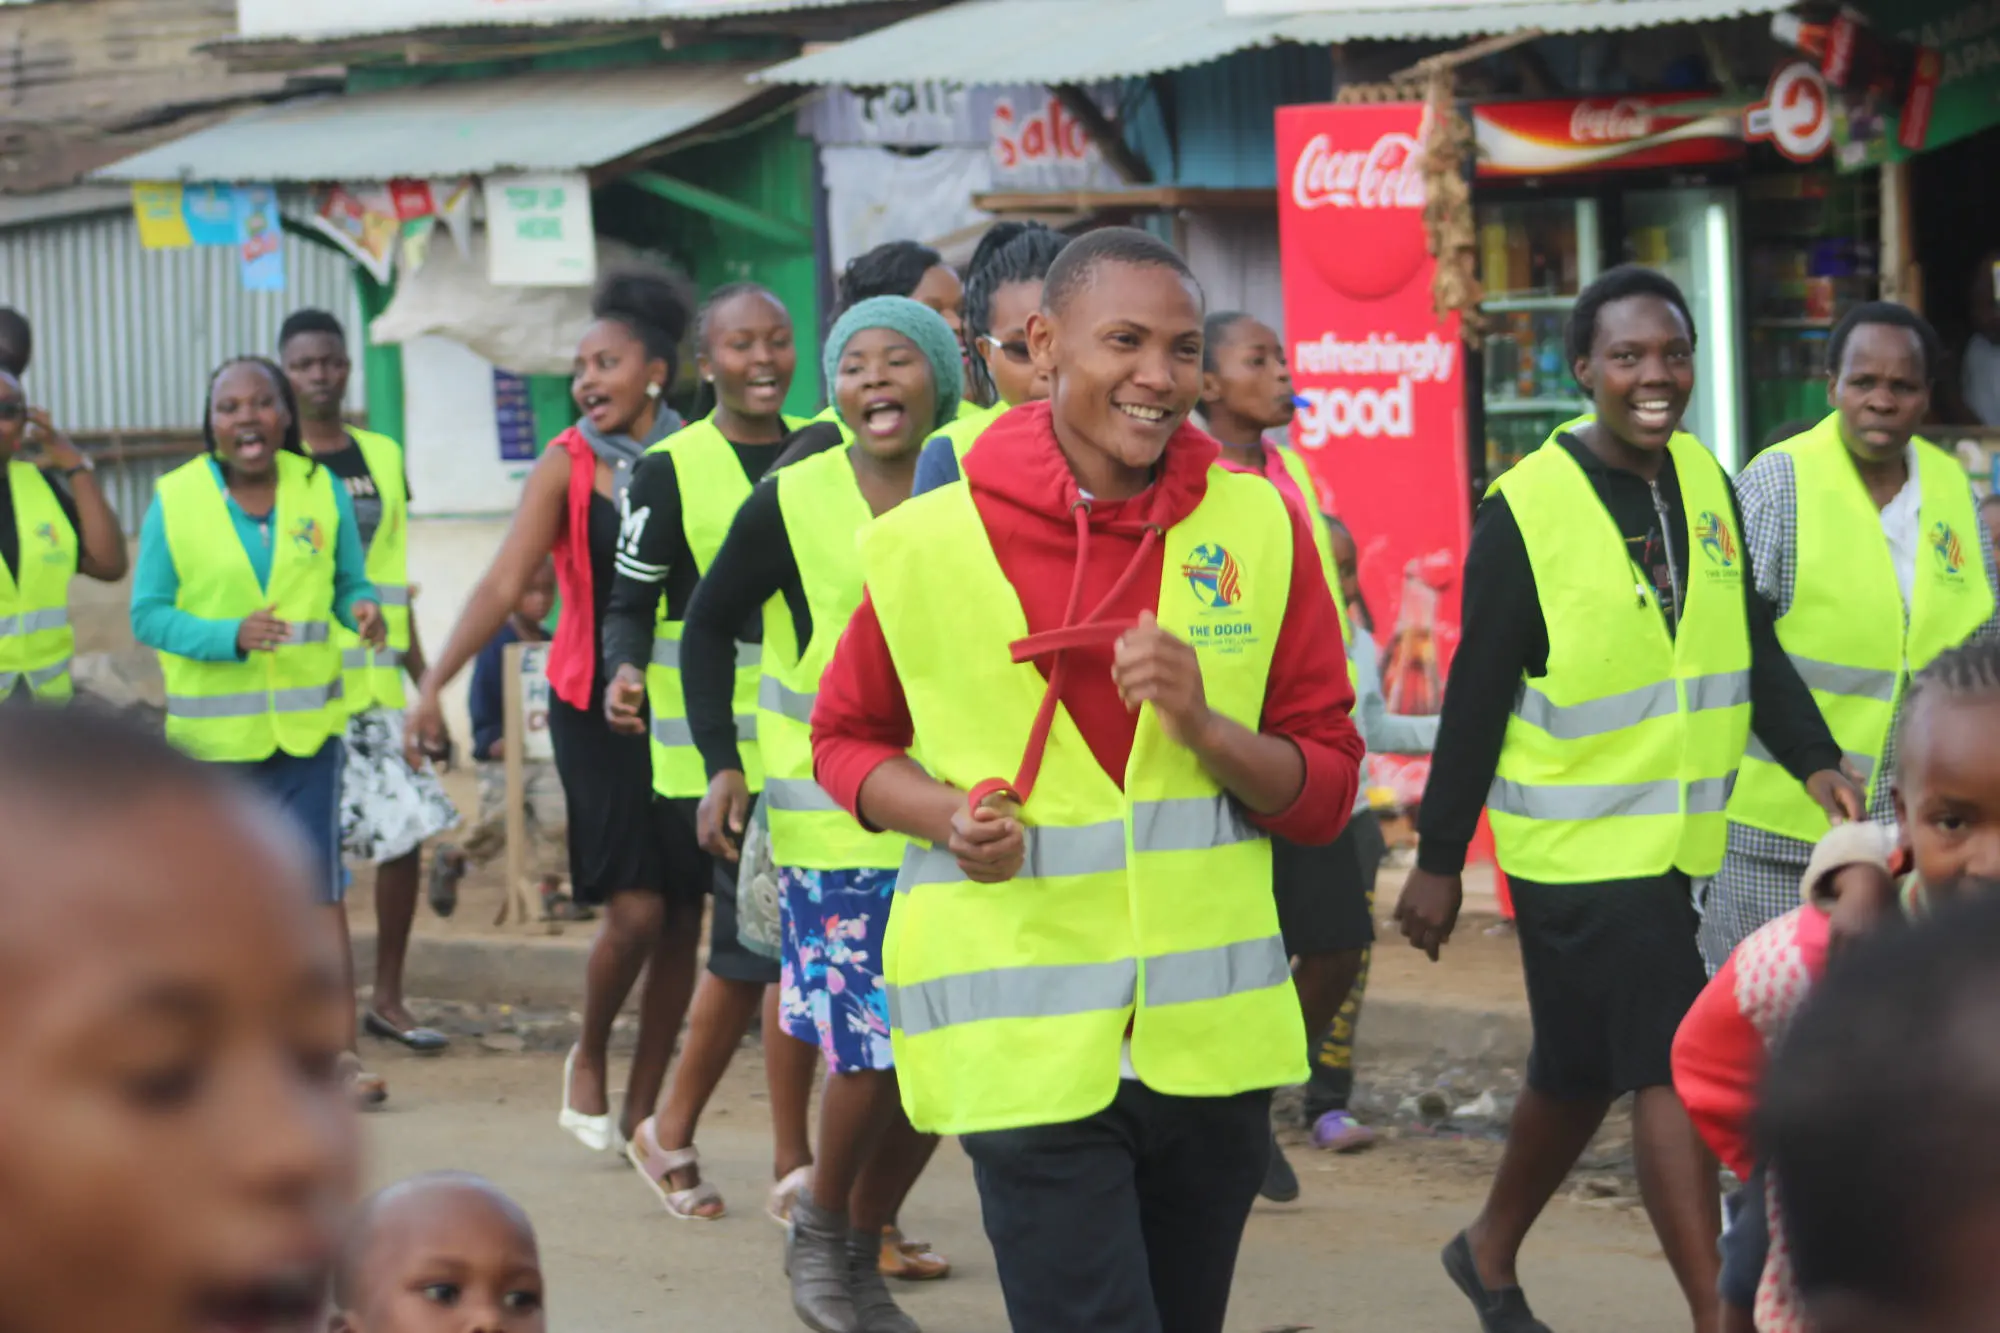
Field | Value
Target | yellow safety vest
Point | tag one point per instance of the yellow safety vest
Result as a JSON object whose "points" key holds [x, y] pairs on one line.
{"points": [[1846, 630], [713, 487], [824, 514], [375, 679], [967, 410], [1617, 763], [289, 699], [1295, 466], [36, 640], [1150, 906]]}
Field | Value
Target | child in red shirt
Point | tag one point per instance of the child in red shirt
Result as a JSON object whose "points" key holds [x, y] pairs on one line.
{"points": [[1947, 797]]}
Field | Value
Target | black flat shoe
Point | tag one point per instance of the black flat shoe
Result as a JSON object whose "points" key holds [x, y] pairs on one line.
{"points": [[1281, 1183], [1503, 1310], [424, 1041]]}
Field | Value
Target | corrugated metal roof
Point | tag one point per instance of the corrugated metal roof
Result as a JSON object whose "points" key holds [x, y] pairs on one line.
{"points": [[1082, 41], [531, 122], [370, 21], [1380, 21]]}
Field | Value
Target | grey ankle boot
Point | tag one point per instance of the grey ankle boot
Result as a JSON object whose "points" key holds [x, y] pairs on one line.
{"points": [[816, 1258], [876, 1310]]}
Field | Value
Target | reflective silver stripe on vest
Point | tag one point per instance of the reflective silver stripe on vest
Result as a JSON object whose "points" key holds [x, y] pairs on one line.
{"points": [[305, 631], [1584, 802], [667, 653], [392, 594], [34, 622], [1086, 850], [356, 659], [1860, 682], [1190, 824], [1596, 717], [1864, 764], [305, 699], [1041, 991], [1212, 974], [676, 731], [799, 795], [1725, 689], [785, 702], [1710, 796], [47, 675]]}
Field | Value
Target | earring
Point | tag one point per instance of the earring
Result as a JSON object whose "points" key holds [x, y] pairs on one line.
{"points": [[652, 391]]}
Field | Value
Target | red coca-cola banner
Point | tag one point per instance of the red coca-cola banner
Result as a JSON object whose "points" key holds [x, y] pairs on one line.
{"points": [[1603, 134], [1383, 425]]}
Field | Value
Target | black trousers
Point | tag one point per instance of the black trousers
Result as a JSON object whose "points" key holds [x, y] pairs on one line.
{"points": [[1128, 1221]]}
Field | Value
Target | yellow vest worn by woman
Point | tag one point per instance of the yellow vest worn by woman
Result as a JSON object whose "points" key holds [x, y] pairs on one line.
{"points": [[824, 513], [375, 679], [1151, 905], [288, 699], [36, 641], [713, 488], [1322, 537], [1618, 762], [1846, 630]]}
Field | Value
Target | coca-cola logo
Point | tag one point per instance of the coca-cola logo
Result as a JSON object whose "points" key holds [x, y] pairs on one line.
{"points": [[1357, 197], [1594, 122], [1387, 175]]}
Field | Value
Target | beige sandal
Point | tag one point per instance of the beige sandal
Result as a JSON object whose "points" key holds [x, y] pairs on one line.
{"points": [[367, 1091], [778, 1207], [656, 1166]]}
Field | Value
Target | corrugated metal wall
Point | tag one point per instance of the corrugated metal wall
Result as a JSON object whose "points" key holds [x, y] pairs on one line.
{"points": [[125, 338]]}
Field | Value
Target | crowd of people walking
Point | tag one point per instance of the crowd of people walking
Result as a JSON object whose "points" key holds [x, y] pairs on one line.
{"points": [[1038, 602]]}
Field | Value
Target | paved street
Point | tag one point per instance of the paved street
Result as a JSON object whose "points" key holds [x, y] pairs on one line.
{"points": [[1356, 1255]]}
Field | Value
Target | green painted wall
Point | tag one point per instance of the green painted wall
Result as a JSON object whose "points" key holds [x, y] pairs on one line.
{"points": [[768, 167]]}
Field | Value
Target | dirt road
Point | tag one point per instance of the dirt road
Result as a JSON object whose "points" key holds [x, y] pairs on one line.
{"points": [[1358, 1254]]}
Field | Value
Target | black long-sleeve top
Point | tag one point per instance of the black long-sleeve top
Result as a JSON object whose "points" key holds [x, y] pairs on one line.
{"points": [[1506, 638], [755, 564], [654, 559]]}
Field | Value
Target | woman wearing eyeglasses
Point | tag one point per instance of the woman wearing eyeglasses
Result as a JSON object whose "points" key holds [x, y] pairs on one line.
{"points": [[1003, 287], [54, 523]]}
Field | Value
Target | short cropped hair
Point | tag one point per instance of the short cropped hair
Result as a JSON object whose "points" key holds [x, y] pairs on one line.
{"points": [[1077, 265]]}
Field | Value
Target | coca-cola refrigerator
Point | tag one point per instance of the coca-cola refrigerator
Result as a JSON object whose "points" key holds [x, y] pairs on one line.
{"points": [[1565, 189]]}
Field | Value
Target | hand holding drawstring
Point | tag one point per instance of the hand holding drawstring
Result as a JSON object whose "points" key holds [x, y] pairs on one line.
{"points": [[1151, 666], [988, 840]]}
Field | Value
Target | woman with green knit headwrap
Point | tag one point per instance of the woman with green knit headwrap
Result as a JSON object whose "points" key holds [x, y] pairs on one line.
{"points": [[893, 368]]}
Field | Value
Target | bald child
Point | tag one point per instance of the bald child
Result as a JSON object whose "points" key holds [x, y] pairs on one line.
{"points": [[176, 1150], [439, 1253]]}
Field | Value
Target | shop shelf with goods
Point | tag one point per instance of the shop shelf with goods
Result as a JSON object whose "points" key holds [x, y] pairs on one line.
{"points": [[1813, 255], [1535, 256]]}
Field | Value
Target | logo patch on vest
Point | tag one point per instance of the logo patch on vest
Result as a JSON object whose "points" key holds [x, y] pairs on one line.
{"points": [[306, 535], [1717, 542], [1214, 575], [1945, 547], [1220, 623]]}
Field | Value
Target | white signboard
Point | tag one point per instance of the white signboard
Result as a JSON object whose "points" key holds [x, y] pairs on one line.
{"points": [[540, 231], [535, 743]]}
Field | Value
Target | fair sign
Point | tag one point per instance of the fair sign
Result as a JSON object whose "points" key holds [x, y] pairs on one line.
{"points": [[1381, 375]]}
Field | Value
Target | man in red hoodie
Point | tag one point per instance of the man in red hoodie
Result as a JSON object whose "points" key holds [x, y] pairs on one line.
{"points": [[1084, 971]]}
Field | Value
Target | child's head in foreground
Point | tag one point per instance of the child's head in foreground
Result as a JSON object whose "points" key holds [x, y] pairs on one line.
{"points": [[1892, 1199], [176, 1150], [441, 1253], [1947, 779]]}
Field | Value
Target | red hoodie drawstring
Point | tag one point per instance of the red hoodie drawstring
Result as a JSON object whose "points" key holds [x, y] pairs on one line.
{"points": [[1088, 632]]}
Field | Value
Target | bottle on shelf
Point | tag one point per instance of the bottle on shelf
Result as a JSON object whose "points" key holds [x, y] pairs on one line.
{"points": [[1520, 255], [1493, 258], [1550, 380], [1524, 338]]}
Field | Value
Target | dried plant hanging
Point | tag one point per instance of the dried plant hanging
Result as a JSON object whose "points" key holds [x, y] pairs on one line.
{"points": [[1448, 217]]}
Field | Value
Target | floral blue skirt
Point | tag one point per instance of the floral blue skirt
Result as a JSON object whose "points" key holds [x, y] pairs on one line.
{"points": [[830, 989]]}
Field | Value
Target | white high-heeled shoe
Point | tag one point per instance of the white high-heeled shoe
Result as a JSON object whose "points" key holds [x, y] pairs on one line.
{"points": [[592, 1131]]}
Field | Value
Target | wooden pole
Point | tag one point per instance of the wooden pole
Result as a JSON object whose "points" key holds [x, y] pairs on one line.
{"points": [[515, 900]]}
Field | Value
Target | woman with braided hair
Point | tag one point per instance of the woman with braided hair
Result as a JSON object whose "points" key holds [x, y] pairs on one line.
{"points": [[1003, 286]]}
